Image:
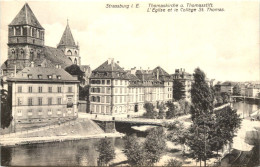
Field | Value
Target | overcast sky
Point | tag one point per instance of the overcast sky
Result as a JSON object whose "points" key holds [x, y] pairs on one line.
{"points": [[225, 45]]}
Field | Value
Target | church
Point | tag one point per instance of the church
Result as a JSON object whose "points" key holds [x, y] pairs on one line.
{"points": [[26, 46]]}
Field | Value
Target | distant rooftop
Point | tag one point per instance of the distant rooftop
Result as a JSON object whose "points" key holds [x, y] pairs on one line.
{"points": [[43, 74]]}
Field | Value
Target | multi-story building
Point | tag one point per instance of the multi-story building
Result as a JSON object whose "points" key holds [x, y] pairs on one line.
{"points": [[42, 96], [227, 87], [186, 79], [116, 91], [253, 90]]}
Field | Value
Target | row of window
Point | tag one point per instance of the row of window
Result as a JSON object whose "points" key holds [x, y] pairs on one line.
{"points": [[40, 89], [50, 101], [103, 82], [22, 31], [107, 82], [49, 111]]}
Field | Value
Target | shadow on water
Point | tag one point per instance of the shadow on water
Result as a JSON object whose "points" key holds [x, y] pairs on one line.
{"points": [[6, 156]]}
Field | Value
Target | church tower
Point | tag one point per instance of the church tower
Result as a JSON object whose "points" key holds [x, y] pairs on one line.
{"points": [[25, 41], [68, 46]]}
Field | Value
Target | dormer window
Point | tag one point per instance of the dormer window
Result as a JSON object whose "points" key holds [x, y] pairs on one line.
{"points": [[30, 76], [40, 76], [49, 76], [58, 77]]}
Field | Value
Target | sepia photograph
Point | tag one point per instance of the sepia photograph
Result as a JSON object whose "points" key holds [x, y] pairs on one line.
{"points": [[130, 83]]}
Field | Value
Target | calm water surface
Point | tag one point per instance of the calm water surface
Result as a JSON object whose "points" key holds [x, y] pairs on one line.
{"points": [[73, 153]]}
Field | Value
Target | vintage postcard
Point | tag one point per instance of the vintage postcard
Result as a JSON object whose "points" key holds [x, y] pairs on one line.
{"points": [[130, 83]]}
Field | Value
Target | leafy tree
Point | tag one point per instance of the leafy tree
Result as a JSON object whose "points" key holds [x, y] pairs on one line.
{"points": [[75, 70], [225, 96], [176, 132], [150, 112], [84, 92], [134, 151], [155, 145], [227, 122], [210, 130], [184, 106], [106, 152], [173, 163], [162, 113], [178, 89], [6, 111], [202, 98], [172, 110], [236, 90]]}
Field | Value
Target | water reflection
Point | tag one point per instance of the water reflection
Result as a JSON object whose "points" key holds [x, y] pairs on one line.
{"points": [[76, 153], [245, 109]]}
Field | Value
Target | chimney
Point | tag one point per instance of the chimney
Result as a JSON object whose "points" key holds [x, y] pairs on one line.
{"points": [[110, 60]]}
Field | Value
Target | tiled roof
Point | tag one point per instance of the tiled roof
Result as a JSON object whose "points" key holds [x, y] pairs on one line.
{"points": [[161, 71], [56, 56], [49, 57], [33, 73], [109, 67], [26, 17], [67, 38], [228, 83]]}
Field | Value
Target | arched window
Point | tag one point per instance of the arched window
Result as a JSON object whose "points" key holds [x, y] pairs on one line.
{"points": [[76, 52], [70, 59], [69, 52], [22, 53], [13, 53], [31, 55], [75, 61], [38, 54]]}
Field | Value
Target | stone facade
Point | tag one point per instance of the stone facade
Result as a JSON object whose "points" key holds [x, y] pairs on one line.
{"points": [[116, 91], [43, 95]]}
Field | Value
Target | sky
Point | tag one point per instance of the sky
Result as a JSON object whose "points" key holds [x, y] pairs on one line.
{"points": [[225, 45]]}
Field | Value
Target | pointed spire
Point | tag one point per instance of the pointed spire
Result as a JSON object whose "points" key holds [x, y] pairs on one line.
{"points": [[26, 17], [67, 38]]}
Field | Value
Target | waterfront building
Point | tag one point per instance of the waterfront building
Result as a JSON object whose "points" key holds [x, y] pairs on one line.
{"points": [[253, 90], [116, 91], [186, 79], [227, 87], [42, 96]]}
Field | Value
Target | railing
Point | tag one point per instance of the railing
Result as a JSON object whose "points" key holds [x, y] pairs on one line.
{"points": [[70, 122]]}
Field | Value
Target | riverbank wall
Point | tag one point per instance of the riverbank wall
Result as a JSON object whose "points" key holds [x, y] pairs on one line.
{"points": [[76, 130]]}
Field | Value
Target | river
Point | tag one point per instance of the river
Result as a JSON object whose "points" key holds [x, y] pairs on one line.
{"points": [[74, 153]]}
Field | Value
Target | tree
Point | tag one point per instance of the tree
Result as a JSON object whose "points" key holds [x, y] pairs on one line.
{"points": [[106, 151], [236, 90], [173, 163], [134, 151], [162, 113], [202, 98], [150, 112], [225, 97], [155, 145], [6, 111], [75, 70], [178, 89], [210, 130], [84, 92], [172, 110]]}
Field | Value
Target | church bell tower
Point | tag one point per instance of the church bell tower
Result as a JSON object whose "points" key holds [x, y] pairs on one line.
{"points": [[25, 40], [68, 46]]}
